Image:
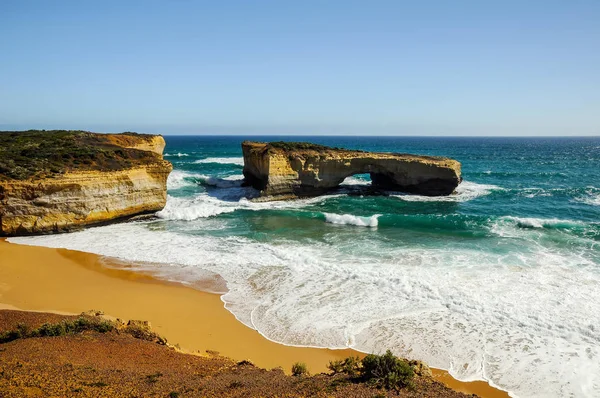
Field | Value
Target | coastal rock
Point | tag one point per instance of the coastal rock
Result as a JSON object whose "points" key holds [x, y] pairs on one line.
{"points": [[98, 178], [282, 170]]}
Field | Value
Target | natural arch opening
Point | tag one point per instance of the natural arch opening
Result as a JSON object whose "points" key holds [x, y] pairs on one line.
{"points": [[358, 179]]}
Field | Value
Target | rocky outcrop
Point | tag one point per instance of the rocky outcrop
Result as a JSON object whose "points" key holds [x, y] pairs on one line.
{"points": [[286, 170], [95, 188]]}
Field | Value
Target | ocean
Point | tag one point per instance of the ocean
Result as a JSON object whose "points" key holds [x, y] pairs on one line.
{"points": [[499, 282]]}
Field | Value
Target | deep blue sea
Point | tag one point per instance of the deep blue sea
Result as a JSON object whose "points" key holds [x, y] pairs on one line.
{"points": [[500, 281]]}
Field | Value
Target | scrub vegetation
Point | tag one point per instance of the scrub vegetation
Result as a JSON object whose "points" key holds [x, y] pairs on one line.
{"points": [[41, 153]]}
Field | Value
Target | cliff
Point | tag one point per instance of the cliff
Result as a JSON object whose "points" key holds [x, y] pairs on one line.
{"points": [[283, 170], [57, 181]]}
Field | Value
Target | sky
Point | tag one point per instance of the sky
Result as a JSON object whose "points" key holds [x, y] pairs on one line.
{"points": [[302, 67]]}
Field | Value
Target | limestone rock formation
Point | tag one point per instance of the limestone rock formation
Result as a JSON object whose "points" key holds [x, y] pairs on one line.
{"points": [[61, 181], [283, 170]]}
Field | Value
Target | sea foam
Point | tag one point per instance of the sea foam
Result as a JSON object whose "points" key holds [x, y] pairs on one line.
{"points": [[590, 197], [465, 191], [229, 197], [179, 154], [179, 179], [355, 181], [349, 219], [481, 314], [185, 209], [239, 161]]}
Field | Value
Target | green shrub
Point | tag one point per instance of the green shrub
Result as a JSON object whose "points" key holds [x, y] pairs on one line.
{"points": [[350, 366], [299, 369], [387, 371], [65, 327], [40, 153], [51, 330], [9, 336]]}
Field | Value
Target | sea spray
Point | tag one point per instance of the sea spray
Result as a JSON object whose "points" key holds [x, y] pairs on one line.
{"points": [[465, 191], [239, 161], [349, 219]]}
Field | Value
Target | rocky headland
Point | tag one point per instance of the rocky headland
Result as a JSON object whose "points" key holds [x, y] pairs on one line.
{"points": [[284, 170], [58, 181]]}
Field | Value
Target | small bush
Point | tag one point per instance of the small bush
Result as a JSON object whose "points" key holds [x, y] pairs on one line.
{"points": [[141, 330], [387, 371], [51, 330], [350, 366], [299, 369], [65, 327], [9, 336], [173, 394]]}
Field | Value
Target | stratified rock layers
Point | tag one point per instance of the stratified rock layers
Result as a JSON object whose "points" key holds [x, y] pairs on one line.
{"points": [[288, 170], [78, 198]]}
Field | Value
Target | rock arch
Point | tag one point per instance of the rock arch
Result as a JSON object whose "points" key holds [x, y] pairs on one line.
{"points": [[286, 170]]}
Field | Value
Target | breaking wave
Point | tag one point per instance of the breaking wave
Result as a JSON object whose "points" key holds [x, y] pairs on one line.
{"points": [[234, 160], [352, 180], [349, 219], [590, 197], [465, 191], [186, 209], [227, 182], [178, 154], [179, 179], [535, 223]]}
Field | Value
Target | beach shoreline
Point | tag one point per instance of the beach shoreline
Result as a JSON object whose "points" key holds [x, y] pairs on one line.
{"points": [[70, 282]]}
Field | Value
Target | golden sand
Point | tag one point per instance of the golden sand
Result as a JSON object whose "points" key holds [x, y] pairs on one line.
{"points": [[58, 280]]}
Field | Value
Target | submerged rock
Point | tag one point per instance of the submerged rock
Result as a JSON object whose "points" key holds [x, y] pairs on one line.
{"points": [[282, 170], [57, 181]]}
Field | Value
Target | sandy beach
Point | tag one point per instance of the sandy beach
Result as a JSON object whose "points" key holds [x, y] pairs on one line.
{"points": [[59, 280]]}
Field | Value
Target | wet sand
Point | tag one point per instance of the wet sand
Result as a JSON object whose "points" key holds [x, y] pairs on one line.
{"points": [[59, 280]]}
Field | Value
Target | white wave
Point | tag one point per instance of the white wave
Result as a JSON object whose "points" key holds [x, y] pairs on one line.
{"points": [[482, 314], [179, 154], [465, 191], [593, 201], [179, 179], [592, 197], [185, 209], [349, 219], [534, 192], [355, 181], [203, 205], [227, 182], [234, 160], [519, 227], [531, 222]]}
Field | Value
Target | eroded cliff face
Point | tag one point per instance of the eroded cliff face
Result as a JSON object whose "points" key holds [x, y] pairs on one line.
{"points": [[143, 142], [75, 198], [288, 170]]}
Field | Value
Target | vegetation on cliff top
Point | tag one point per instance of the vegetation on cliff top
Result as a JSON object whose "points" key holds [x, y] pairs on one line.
{"points": [[57, 355], [383, 371], [295, 146], [41, 153]]}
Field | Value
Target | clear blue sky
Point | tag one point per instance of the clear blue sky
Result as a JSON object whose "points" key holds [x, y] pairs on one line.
{"points": [[302, 67]]}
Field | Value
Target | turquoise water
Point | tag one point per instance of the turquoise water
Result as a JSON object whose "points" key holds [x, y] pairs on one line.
{"points": [[500, 281]]}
